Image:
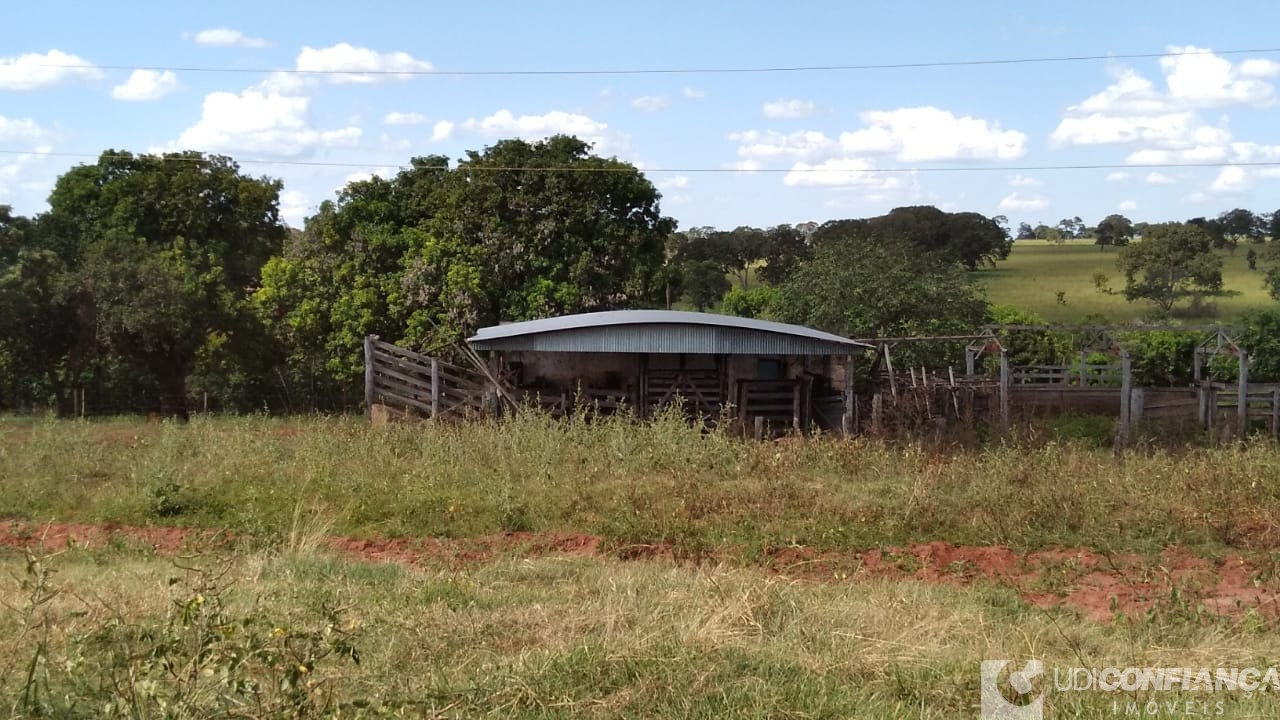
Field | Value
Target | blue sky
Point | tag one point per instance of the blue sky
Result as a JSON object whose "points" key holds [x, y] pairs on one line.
{"points": [[781, 147]]}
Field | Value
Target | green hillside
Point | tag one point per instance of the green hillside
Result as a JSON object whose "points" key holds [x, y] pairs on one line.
{"points": [[1037, 271]]}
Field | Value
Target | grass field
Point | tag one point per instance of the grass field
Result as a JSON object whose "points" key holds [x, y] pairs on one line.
{"points": [[686, 608], [1037, 270]]}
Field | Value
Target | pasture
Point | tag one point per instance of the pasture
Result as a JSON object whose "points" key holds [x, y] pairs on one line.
{"points": [[1037, 270], [539, 568]]}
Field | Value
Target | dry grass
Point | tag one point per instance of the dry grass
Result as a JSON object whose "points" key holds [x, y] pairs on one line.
{"points": [[597, 638], [292, 482]]}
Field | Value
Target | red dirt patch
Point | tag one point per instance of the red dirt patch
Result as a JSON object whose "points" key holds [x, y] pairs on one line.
{"points": [[1098, 585]]}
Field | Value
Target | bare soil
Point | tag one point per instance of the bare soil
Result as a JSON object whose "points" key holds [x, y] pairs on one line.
{"points": [[1099, 585]]}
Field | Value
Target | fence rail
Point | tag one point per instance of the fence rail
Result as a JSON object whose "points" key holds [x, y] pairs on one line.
{"points": [[409, 380]]}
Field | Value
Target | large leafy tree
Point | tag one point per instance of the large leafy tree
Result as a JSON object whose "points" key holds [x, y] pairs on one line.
{"points": [[36, 321], [526, 229], [342, 277], [968, 238], [1115, 230], [864, 284], [1174, 262], [161, 253]]}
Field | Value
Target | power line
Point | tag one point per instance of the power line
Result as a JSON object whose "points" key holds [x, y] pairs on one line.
{"points": [[653, 71], [706, 170]]}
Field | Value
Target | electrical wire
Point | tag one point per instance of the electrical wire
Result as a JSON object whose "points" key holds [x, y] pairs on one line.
{"points": [[626, 168], [649, 71]]}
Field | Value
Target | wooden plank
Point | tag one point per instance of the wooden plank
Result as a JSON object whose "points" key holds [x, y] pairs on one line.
{"points": [[394, 398], [1242, 416], [369, 382], [424, 359], [423, 382], [1275, 414], [401, 389]]}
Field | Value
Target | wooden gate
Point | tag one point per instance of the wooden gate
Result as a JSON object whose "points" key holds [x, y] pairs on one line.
{"points": [[409, 380]]}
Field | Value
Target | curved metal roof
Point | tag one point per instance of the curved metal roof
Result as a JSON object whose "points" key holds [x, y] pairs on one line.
{"points": [[662, 331]]}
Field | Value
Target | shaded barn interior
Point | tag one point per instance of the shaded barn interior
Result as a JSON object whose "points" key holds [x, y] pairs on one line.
{"points": [[741, 369]]}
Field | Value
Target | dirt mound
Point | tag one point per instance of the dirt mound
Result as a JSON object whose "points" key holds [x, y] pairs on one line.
{"points": [[1100, 585]]}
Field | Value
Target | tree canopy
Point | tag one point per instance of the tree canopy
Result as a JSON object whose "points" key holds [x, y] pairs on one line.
{"points": [[1174, 261]]}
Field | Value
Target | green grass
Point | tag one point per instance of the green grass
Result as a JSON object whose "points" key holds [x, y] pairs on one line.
{"points": [[121, 635], [634, 483], [1037, 270]]}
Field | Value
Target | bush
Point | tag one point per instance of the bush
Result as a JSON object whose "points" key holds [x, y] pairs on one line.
{"points": [[754, 303]]}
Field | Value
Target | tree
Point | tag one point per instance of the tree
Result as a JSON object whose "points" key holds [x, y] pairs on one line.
{"points": [[342, 277], [704, 283], [1072, 228], [1025, 232], [784, 247], [1241, 225], [1270, 258], [525, 230], [1114, 230], [967, 238], [867, 285], [36, 322], [162, 252], [1173, 262]]}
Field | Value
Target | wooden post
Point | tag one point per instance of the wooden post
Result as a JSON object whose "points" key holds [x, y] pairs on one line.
{"points": [[1137, 403], [1202, 410], [846, 420], [970, 363], [1126, 400], [758, 428], [1275, 414], [435, 387], [795, 403], [1084, 369], [1006, 380], [1242, 412], [1211, 405], [877, 413], [82, 404], [888, 363], [369, 380]]}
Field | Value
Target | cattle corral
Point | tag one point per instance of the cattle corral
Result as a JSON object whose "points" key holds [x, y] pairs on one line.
{"points": [[763, 378]]}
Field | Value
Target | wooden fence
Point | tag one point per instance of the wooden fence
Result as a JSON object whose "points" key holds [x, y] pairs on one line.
{"points": [[403, 378]]}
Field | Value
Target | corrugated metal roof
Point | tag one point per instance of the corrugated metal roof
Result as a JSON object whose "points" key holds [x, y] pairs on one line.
{"points": [[662, 331]]}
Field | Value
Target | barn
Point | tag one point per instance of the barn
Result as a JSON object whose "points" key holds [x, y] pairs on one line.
{"points": [[757, 372]]}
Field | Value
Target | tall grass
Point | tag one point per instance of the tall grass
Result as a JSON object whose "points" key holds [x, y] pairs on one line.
{"points": [[552, 638], [661, 482]]}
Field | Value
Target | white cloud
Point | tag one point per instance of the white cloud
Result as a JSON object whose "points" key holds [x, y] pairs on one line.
{"points": [[1259, 68], [362, 175], [844, 172], [1017, 202], [773, 145], [34, 71], [745, 167], [1024, 181], [505, 124], [146, 85], [1203, 79], [1117, 176], [694, 93], [674, 182], [346, 63], [394, 144], [650, 103], [261, 122], [929, 134], [442, 130], [226, 37], [1231, 179], [404, 118], [788, 109], [295, 205], [21, 130], [1127, 206], [1163, 124], [1158, 178]]}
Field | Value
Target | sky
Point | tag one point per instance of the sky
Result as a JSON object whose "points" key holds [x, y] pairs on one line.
{"points": [[724, 148]]}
